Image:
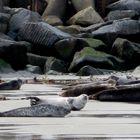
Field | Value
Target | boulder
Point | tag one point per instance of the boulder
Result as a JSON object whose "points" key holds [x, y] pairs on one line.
{"points": [[82, 4], [120, 14], [89, 70], [5, 67], [14, 53], [36, 60], [128, 51], [55, 64], [125, 5], [4, 21], [89, 56], [72, 29], [85, 17], [125, 28], [41, 34], [34, 69], [4, 36], [19, 18], [55, 8], [53, 20], [66, 48], [95, 44]]}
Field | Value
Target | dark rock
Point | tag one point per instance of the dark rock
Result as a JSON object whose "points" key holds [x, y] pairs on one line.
{"points": [[120, 14], [66, 48], [55, 64], [125, 28], [4, 20], [88, 56], [17, 21], [125, 5], [85, 17], [5, 67], [4, 36], [89, 70], [36, 60], [128, 51], [41, 34], [14, 53]]}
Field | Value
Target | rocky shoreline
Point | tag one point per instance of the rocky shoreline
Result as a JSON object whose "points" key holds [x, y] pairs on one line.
{"points": [[85, 42]]}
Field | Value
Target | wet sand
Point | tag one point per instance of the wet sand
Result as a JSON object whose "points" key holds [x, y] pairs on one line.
{"points": [[98, 120]]}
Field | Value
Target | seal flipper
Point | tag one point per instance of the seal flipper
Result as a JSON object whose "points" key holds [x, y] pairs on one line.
{"points": [[33, 100]]}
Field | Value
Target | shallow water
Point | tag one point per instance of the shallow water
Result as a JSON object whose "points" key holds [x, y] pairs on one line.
{"points": [[98, 120]]}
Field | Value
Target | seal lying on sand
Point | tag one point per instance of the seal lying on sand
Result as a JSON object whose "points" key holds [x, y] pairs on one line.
{"points": [[131, 94], [11, 85], [87, 89], [76, 103], [41, 110]]}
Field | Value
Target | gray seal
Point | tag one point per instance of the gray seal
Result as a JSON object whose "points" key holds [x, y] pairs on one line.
{"points": [[41, 110], [76, 103]]}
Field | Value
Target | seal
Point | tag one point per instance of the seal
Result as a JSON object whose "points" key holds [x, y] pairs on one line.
{"points": [[86, 89], [76, 103], [131, 94], [41, 110], [11, 85]]}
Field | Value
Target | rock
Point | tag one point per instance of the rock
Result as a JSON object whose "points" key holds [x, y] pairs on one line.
{"points": [[85, 17], [18, 19], [55, 64], [88, 56], [94, 43], [36, 60], [4, 36], [125, 5], [5, 67], [82, 4], [41, 34], [19, 3], [55, 8], [72, 29], [53, 20], [89, 70], [34, 69], [136, 71], [125, 28], [120, 14], [14, 53], [94, 27], [66, 48], [4, 20], [128, 51]]}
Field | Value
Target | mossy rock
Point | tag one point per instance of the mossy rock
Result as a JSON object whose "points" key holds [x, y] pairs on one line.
{"points": [[5, 67], [97, 59], [95, 43]]}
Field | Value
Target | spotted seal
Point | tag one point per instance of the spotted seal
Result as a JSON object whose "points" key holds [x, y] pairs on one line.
{"points": [[40, 110], [76, 103]]}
